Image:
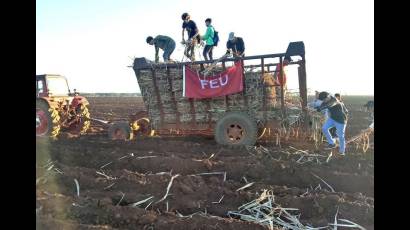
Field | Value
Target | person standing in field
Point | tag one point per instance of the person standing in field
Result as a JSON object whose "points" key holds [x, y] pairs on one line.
{"points": [[337, 117], [333, 129]]}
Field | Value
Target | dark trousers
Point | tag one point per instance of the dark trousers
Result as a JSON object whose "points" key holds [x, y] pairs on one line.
{"points": [[208, 51]]}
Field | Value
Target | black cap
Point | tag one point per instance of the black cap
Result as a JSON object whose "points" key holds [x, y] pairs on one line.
{"points": [[323, 95], [149, 38], [184, 15]]}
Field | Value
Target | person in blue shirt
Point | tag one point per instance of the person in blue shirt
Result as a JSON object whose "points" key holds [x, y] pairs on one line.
{"points": [[165, 43]]}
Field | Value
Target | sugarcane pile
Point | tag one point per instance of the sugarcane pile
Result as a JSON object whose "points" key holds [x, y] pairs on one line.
{"points": [[168, 83]]}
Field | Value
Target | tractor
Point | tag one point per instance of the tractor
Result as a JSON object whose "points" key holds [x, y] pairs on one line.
{"points": [[57, 109]]}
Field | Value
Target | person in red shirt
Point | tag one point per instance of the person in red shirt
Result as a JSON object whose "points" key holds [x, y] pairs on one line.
{"points": [[280, 76]]}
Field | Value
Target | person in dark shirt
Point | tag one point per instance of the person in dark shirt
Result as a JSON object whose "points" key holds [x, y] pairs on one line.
{"points": [[236, 45], [337, 117], [166, 43], [333, 129], [193, 36], [338, 97]]}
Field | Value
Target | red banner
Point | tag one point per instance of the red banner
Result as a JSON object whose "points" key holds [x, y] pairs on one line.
{"points": [[228, 82]]}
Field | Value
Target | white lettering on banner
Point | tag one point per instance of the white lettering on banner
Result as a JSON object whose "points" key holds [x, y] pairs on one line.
{"points": [[226, 81], [203, 83], [213, 84]]}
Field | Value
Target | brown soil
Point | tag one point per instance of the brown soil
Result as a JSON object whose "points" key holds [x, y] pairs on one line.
{"points": [[142, 168]]}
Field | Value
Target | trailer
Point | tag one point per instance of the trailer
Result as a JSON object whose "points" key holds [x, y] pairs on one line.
{"points": [[238, 119]]}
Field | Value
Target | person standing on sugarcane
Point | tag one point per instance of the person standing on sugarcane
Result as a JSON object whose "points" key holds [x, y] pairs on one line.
{"points": [[339, 98], [166, 43], [235, 45], [193, 36], [209, 40], [337, 117]]}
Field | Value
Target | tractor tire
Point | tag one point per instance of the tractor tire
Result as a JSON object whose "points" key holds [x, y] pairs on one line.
{"points": [[142, 127], [120, 131], [47, 120], [236, 129], [84, 123], [86, 119]]}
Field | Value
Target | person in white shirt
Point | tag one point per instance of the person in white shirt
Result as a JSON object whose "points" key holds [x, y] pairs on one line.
{"points": [[316, 103]]}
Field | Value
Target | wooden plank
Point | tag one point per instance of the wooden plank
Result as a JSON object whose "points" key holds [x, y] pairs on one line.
{"points": [[192, 112], [265, 115], [161, 109], [177, 116]]}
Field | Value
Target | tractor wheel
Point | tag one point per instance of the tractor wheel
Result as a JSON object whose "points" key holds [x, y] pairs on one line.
{"points": [[120, 131], [47, 120], [142, 127], [83, 124], [236, 129]]}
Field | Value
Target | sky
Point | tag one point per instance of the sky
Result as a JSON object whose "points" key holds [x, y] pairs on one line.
{"points": [[92, 42]]}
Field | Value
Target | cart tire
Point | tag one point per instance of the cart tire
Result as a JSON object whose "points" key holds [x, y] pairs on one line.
{"points": [[120, 131], [236, 129]]}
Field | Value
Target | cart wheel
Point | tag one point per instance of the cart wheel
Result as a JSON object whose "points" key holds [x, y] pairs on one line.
{"points": [[120, 131], [236, 129]]}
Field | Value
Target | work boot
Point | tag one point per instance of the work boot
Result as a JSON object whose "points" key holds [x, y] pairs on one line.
{"points": [[330, 146]]}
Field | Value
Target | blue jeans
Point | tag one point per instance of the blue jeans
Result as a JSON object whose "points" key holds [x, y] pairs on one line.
{"points": [[340, 131], [168, 51]]}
